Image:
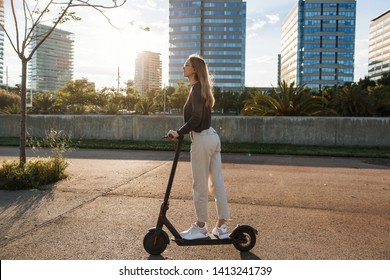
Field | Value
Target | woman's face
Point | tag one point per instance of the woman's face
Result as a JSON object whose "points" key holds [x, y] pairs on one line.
{"points": [[188, 70]]}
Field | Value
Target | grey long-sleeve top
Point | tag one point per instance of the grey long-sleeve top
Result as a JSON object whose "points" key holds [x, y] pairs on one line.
{"points": [[197, 116]]}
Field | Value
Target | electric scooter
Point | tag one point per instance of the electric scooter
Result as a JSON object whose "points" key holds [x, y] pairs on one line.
{"points": [[243, 237]]}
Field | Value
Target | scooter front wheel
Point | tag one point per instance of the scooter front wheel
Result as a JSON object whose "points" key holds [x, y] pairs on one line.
{"points": [[244, 239], [155, 244]]}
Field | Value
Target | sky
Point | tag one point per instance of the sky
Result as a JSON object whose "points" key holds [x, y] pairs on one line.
{"points": [[100, 49]]}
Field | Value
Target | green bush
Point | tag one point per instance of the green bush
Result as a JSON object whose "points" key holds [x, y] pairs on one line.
{"points": [[35, 174], [8, 99]]}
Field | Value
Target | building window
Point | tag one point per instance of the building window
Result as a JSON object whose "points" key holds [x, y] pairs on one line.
{"points": [[175, 13], [328, 70], [347, 14], [312, 38], [312, 22], [185, 4], [312, 5], [347, 5], [309, 62], [310, 30], [312, 14], [330, 13], [311, 54]]}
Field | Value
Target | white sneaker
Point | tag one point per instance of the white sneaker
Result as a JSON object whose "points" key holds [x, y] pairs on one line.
{"points": [[195, 232], [221, 232]]}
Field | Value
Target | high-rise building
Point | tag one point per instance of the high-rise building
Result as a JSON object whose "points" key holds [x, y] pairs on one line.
{"points": [[51, 67], [213, 29], [318, 43], [379, 46], [1, 43], [148, 72]]}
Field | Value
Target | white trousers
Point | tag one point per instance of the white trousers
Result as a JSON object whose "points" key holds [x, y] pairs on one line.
{"points": [[206, 167]]}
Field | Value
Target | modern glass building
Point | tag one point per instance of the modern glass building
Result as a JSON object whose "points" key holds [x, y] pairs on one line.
{"points": [[318, 43], [51, 67], [213, 29], [379, 46], [1, 43], [148, 72]]}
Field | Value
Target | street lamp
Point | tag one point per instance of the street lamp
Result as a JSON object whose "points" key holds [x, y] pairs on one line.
{"points": [[165, 97]]}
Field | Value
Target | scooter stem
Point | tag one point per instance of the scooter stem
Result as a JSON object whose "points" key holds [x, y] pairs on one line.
{"points": [[173, 170]]}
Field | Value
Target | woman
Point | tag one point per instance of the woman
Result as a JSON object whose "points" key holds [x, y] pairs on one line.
{"points": [[205, 150]]}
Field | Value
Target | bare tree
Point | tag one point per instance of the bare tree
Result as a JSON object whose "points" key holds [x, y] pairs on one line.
{"points": [[50, 13]]}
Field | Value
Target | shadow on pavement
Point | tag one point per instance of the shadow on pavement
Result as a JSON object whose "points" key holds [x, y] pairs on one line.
{"points": [[156, 257], [249, 256], [243, 256], [14, 205]]}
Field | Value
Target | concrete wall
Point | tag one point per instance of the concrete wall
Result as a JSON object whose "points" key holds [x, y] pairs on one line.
{"points": [[323, 131]]}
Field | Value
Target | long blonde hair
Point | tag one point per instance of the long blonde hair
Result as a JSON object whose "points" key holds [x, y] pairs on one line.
{"points": [[202, 75]]}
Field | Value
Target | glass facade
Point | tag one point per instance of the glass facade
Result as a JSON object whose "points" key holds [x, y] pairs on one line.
{"points": [[379, 46], [318, 43], [51, 67], [1, 43], [215, 30]]}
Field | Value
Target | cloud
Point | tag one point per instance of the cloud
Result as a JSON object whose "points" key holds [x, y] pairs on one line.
{"points": [[272, 19], [251, 35], [146, 5], [265, 59], [256, 24]]}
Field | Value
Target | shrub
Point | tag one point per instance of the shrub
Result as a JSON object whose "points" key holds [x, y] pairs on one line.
{"points": [[8, 99], [39, 172], [35, 174]]}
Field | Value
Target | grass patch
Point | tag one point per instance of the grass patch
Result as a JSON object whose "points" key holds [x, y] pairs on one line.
{"points": [[9, 141], [246, 148]]}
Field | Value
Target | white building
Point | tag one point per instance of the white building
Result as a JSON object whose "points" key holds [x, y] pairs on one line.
{"points": [[379, 46], [148, 72], [51, 67]]}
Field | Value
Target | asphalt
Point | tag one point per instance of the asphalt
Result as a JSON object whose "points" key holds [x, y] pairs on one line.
{"points": [[305, 208]]}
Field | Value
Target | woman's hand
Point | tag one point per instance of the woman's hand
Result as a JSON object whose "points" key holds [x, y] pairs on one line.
{"points": [[172, 134]]}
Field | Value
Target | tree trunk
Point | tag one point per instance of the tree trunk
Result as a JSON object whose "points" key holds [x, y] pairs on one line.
{"points": [[23, 90]]}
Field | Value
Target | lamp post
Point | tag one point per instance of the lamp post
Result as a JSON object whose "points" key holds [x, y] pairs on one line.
{"points": [[165, 97], [118, 80], [6, 76]]}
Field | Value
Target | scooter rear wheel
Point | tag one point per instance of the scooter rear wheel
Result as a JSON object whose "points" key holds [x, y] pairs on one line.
{"points": [[155, 244], [244, 239]]}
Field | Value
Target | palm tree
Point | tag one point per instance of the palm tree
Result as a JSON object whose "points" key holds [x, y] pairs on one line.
{"points": [[351, 100], [286, 100], [381, 97], [42, 103], [145, 106]]}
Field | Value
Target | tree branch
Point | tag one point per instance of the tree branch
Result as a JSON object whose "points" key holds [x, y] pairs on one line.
{"points": [[35, 23], [50, 30], [99, 8], [25, 8], [85, 3], [16, 27], [9, 37]]}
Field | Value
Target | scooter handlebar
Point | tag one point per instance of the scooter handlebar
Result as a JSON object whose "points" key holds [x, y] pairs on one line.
{"points": [[171, 138]]}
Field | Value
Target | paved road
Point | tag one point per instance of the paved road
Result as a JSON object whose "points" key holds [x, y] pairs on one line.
{"points": [[304, 208]]}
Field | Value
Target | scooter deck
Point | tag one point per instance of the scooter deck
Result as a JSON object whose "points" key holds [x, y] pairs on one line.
{"points": [[202, 241]]}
